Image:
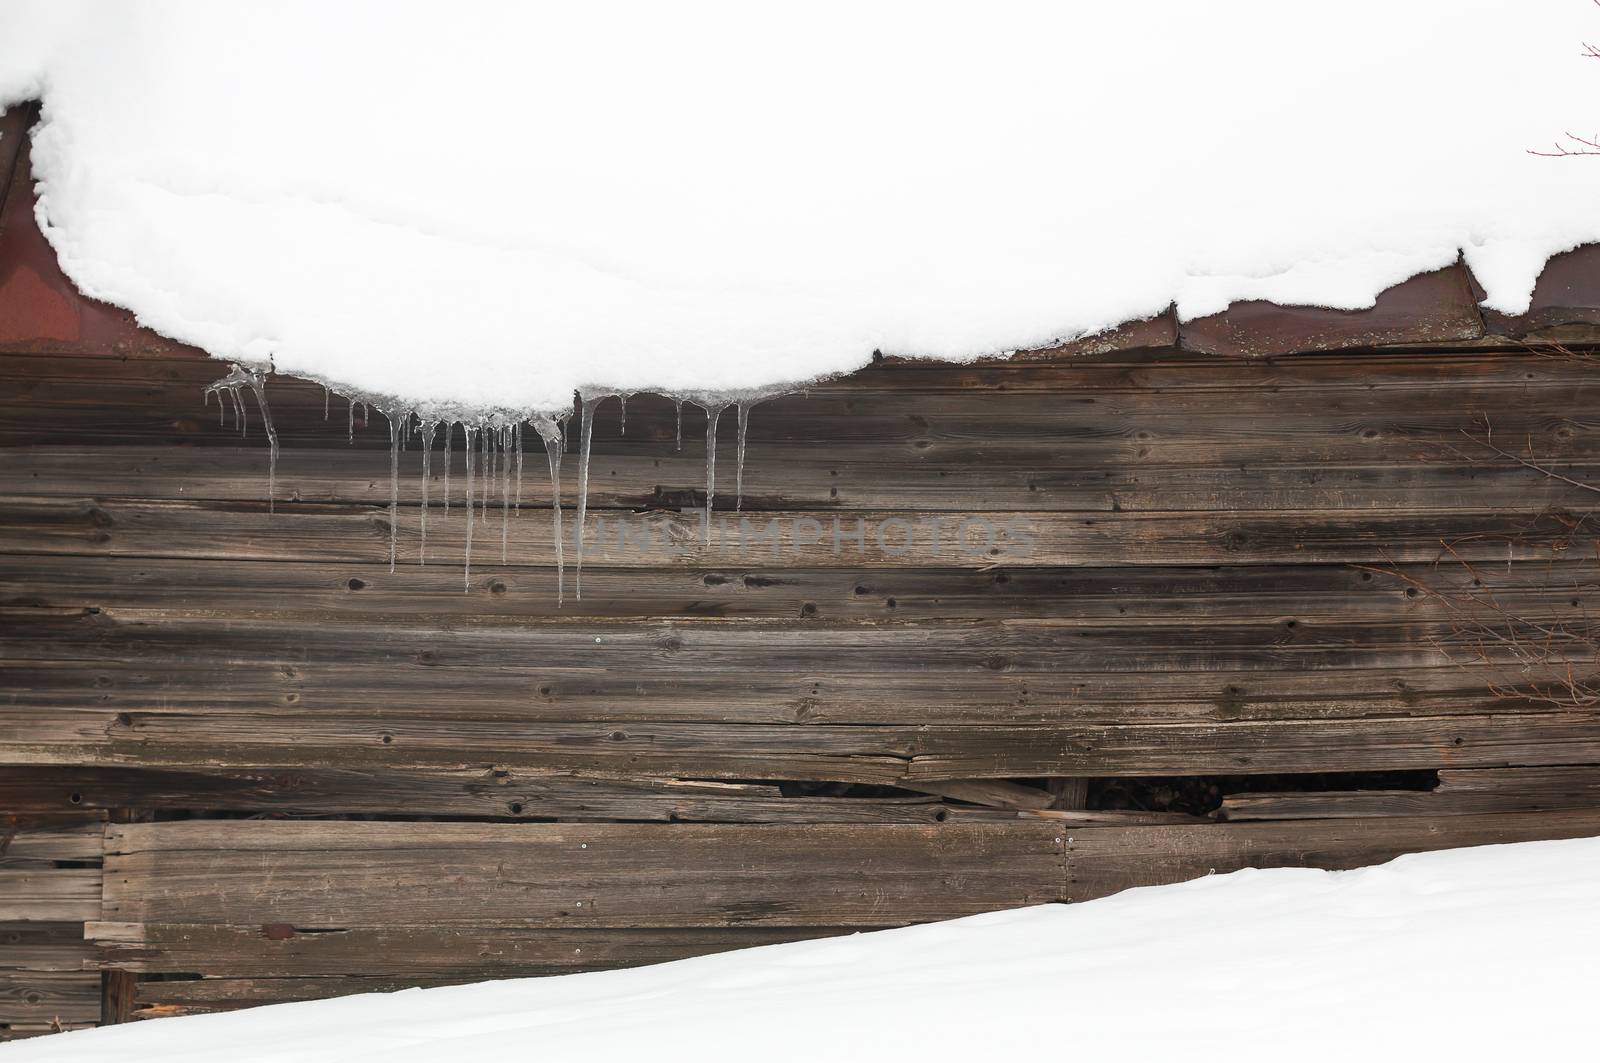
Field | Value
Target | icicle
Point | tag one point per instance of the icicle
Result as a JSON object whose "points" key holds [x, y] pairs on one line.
{"points": [[352, 422], [449, 430], [326, 399], [505, 489], [712, 414], [258, 384], [239, 377], [240, 417], [428, 430], [585, 437], [485, 471], [466, 430], [677, 405], [516, 439], [490, 454], [554, 436], [395, 430], [624, 419], [738, 464]]}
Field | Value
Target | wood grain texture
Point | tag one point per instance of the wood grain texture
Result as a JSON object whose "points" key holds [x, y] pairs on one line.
{"points": [[1107, 860], [484, 792], [1200, 567], [45, 997], [280, 950], [315, 874]]}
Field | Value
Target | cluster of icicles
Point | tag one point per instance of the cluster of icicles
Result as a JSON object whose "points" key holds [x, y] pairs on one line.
{"points": [[496, 441]]}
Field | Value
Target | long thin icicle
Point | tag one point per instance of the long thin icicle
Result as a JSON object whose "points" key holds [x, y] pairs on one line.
{"points": [[397, 423], [713, 412], [466, 576], [554, 436], [485, 471], [505, 489], [449, 430], [258, 384], [677, 406], [428, 430], [585, 437], [516, 440], [738, 464]]}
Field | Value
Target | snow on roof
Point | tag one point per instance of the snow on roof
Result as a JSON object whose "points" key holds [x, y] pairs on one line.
{"points": [[494, 205], [1486, 953]]}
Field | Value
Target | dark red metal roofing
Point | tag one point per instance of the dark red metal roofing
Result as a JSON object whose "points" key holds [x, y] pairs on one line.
{"points": [[40, 309]]}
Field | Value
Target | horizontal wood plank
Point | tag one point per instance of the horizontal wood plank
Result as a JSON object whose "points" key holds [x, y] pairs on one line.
{"points": [[866, 540], [486, 792], [279, 950], [789, 478], [343, 874], [47, 997], [1107, 860]]}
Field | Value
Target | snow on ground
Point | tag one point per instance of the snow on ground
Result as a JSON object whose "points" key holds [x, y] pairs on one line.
{"points": [[1465, 954], [495, 204]]}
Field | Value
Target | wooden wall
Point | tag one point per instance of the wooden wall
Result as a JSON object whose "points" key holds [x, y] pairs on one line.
{"points": [[323, 776]]}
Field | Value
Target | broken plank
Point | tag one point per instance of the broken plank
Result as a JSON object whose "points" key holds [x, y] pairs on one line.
{"points": [[484, 792]]}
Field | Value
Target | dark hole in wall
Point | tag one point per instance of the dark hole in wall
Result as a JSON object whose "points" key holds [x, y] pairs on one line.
{"points": [[1201, 795]]}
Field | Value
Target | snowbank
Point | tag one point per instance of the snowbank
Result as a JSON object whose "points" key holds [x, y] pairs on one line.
{"points": [[1470, 953], [493, 205]]}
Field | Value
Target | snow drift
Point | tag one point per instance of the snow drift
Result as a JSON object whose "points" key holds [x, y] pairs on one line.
{"points": [[490, 205], [1468, 953]]}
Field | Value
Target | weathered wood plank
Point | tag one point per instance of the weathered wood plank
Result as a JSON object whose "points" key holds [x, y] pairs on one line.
{"points": [[682, 650], [784, 478], [342, 874], [501, 793], [876, 539], [207, 996], [387, 740], [280, 951], [70, 700], [1566, 780], [1106, 860], [50, 895], [44, 947], [1273, 593], [40, 842], [859, 408], [1258, 748], [43, 997], [49, 867]]}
